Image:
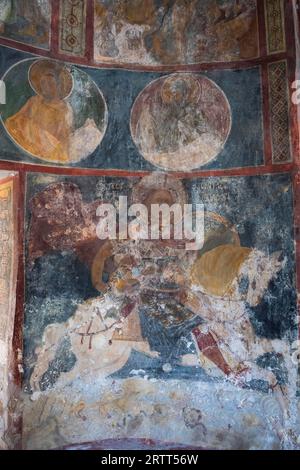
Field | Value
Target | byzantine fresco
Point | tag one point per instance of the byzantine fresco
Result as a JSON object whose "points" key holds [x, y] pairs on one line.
{"points": [[132, 341], [54, 112], [117, 119], [181, 122], [26, 22], [168, 32], [166, 336]]}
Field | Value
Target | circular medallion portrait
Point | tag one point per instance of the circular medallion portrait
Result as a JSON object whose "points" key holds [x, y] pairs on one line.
{"points": [[55, 112], [181, 122]]}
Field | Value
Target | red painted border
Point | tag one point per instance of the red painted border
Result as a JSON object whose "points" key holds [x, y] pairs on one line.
{"points": [[19, 317], [89, 53], [126, 443], [88, 60], [296, 145], [296, 186]]}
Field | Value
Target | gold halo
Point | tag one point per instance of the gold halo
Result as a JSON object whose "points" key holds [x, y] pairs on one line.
{"points": [[156, 182], [60, 71]]}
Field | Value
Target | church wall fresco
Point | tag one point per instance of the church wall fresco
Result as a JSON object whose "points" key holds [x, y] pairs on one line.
{"points": [[144, 344], [175, 32], [26, 22], [8, 249], [130, 338], [279, 105]]}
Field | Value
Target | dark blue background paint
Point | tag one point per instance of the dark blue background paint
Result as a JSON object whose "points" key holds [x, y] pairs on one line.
{"points": [[120, 88]]}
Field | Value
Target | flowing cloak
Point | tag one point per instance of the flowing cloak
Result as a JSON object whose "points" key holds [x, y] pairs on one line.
{"points": [[43, 128]]}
